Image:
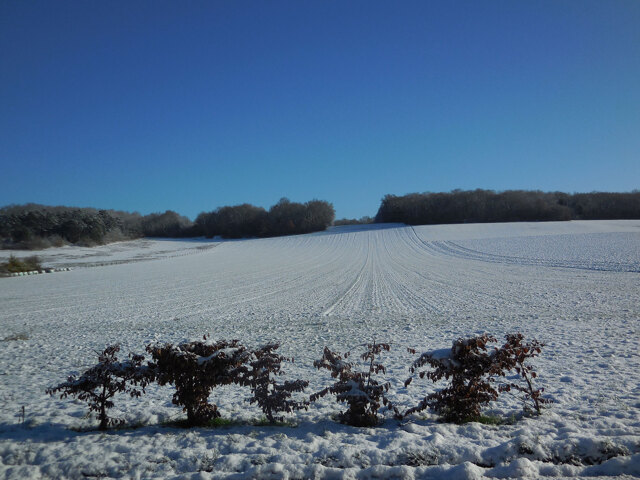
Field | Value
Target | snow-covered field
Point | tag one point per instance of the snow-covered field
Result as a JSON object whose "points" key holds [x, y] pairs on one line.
{"points": [[114, 253], [573, 285]]}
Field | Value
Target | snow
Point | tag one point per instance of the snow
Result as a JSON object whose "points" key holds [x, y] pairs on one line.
{"points": [[572, 285], [115, 253]]}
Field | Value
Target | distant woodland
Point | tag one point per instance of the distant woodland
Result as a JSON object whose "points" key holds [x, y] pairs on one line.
{"points": [[354, 221], [477, 206], [283, 218], [33, 226]]}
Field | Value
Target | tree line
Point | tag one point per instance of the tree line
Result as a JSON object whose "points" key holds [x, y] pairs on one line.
{"points": [[283, 218], [476, 206], [366, 220], [34, 226]]}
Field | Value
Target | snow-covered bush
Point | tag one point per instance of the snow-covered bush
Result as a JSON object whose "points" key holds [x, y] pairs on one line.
{"points": [[271, 396], [98, 385], [358, 389], [471, 369], [195, 368], [468, 366]]}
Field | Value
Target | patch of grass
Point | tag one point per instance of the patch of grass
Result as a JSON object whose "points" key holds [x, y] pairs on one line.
{"points": [[483, 419], [16, 337], [130, 426], [493, 420], [16, 265], [79, 429], [115, 428], [222, 422], [490, 420], [213, 423], [265, 422]]}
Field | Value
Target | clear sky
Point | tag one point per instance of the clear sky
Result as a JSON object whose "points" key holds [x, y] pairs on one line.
{"points": [[187, 105]]}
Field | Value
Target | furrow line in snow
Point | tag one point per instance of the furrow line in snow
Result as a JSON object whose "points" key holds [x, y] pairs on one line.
{"points": [[342, 298]]}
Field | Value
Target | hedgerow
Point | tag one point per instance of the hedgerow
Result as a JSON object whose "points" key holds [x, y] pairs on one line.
{"points": [[471, 367]]}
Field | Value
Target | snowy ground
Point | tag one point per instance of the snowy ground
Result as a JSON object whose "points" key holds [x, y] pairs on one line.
{"points": [[572, 285], [114, 253]]}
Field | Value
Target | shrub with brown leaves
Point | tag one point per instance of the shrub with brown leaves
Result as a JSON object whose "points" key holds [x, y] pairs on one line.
{"points": [[471, 369], [98, 385], [468, 366], [195, 368], [513, 355], [271, 396], [358, 389]]}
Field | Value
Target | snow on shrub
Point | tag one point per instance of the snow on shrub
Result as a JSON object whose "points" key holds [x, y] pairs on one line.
{"points": [[195, 368], [471, 368], [468, 366], [271, 396], [98, 385], [513, 355], [358, 389]]}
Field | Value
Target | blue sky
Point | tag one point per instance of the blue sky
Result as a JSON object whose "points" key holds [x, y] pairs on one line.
{"points": [[147, 106]]}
